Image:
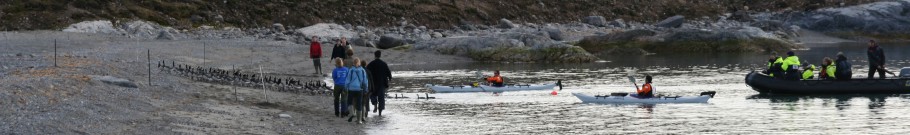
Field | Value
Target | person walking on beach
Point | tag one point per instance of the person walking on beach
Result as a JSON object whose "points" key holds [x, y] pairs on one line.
{"points": [[338, 77], [339, 49], [381, 75], [876, 60], [368, 91], [356, 82], [316, 54]]}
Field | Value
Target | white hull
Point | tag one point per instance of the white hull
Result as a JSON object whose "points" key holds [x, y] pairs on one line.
{"points": [[467, 88], [628, 99]]}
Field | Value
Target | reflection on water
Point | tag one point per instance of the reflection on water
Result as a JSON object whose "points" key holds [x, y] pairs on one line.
{"points": [[736, 109]]}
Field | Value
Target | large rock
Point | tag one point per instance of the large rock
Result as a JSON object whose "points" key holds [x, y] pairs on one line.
{"points": [[99, 26], [278, 27], [512, 47], [363, 42], [881, 18], [554, 33], [115, 81], [506, 24], [326, 30], [165, 35], [619, 23], [672, 22], [598, 21], [390, 41]]}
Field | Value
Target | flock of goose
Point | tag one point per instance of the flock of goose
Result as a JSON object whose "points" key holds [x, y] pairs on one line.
{"points": [[238, 78]]}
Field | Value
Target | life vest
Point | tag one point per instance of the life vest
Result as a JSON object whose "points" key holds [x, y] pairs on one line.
{"points": [[496, 80], [645, 90], [831, 68], [808, 74], [791, 62], [777, 63]]}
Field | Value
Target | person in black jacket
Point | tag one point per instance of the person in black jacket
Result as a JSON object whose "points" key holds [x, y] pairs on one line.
{"points": [[381, 75], [876, 60], [338, 50], [842, 67]]}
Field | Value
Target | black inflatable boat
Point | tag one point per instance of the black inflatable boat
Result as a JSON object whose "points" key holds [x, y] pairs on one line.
{"points": [[766, 84]]}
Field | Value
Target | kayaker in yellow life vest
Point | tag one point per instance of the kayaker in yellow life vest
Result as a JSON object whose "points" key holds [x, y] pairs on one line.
{"points": [[774, 64], [809, 72], [791, 66]]}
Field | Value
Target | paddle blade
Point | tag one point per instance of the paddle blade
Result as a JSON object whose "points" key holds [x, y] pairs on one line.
{"points": [[554, 93], [631, 79]]}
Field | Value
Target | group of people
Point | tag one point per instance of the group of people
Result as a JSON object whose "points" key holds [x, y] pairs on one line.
{"points": [[357, 83], [831, 69]]}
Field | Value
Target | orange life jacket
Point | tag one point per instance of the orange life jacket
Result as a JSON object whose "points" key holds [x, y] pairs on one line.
{"points": [[645, 90], [495, 79]]}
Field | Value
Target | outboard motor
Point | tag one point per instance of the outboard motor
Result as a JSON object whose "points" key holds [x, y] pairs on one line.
{"points": [[709, 93], [905, 72]]}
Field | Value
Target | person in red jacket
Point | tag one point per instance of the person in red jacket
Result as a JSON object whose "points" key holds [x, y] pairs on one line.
{"points": [[316, 54]]}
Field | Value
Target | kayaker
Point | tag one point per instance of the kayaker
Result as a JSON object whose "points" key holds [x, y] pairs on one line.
{"points": [[844, 70], [495, 80], [876, 60], [356, 82], [646, 90], [381, 75], [828, 68], [339, 74], [809, 72], [791, 66], [774, 64]]}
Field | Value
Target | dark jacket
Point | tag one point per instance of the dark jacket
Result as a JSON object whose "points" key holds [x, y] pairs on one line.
{"points": [[381, 73], [876, 56], [842, 68], [338, 52]]}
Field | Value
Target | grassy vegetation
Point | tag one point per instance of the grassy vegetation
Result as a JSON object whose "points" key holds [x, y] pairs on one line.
{"points": [[55, 14]]}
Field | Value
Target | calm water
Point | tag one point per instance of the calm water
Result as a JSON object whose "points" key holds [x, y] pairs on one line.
{"points": [[735, 110]]}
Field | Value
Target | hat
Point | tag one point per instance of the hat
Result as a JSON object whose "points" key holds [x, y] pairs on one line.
{"points": [[790, 53], [840, 53]]}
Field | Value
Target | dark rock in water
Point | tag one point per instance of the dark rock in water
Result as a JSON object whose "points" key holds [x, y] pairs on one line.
{"points": [[390, 41], [506, 24], [672, 22], [598, 21], [115, 81]]}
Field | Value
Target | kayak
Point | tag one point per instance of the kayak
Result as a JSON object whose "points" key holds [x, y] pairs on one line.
{"points": [[625, 98], [469, 88], [766, 84]]}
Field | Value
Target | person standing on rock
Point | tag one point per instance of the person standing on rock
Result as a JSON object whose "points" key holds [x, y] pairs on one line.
{"points": [[876, 60], [339, 49], [356, 82], [316, 54], [381, 75]]}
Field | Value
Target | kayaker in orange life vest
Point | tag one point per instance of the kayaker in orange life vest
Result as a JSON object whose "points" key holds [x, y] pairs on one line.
{"points": [[495, 80], [646, 90]]}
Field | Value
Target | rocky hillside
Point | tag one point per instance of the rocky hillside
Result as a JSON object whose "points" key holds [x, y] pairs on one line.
{"points": [[49, 14]]}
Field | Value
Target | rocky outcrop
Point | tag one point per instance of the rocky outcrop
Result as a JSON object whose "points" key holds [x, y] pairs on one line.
{"points": [[390, 41], [598, 21], [885, 19], [511, 47], [326, 31], [672, 22], [506, 24]]}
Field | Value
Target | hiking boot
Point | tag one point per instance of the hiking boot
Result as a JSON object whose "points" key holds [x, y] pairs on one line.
{"points": [[351, 118]]}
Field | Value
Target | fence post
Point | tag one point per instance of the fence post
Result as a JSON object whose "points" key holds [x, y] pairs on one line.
{"points": [[55, 53], [148, 54]]}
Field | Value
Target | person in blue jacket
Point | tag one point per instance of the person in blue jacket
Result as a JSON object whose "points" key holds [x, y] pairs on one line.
{"points": [[339, 74], [356, 83]]}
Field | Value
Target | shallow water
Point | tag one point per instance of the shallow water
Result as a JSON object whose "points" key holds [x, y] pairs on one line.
{"points": [[735, 110]]}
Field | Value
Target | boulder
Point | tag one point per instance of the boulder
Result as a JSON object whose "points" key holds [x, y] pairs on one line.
{"points": [[390, 41], [326, 31], [363, 42], [554, 33], [278, 27], [99, 26], [598, 21], [672, 22], [115, 81], [164, 34], [437, 35], [506, 24], [619, 23]]}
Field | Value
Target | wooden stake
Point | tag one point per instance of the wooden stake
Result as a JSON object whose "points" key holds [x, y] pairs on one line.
{"points": [[55, 52], [149, 58], [261, 80]]}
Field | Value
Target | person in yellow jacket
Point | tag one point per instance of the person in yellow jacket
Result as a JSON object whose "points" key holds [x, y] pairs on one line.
{"points": [[774, 64], [791, 66], [809, 72], [828, 68]]}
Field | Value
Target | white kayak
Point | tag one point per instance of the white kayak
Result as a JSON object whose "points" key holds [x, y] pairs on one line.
{"points": [[468, 88], [702, 98]]}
